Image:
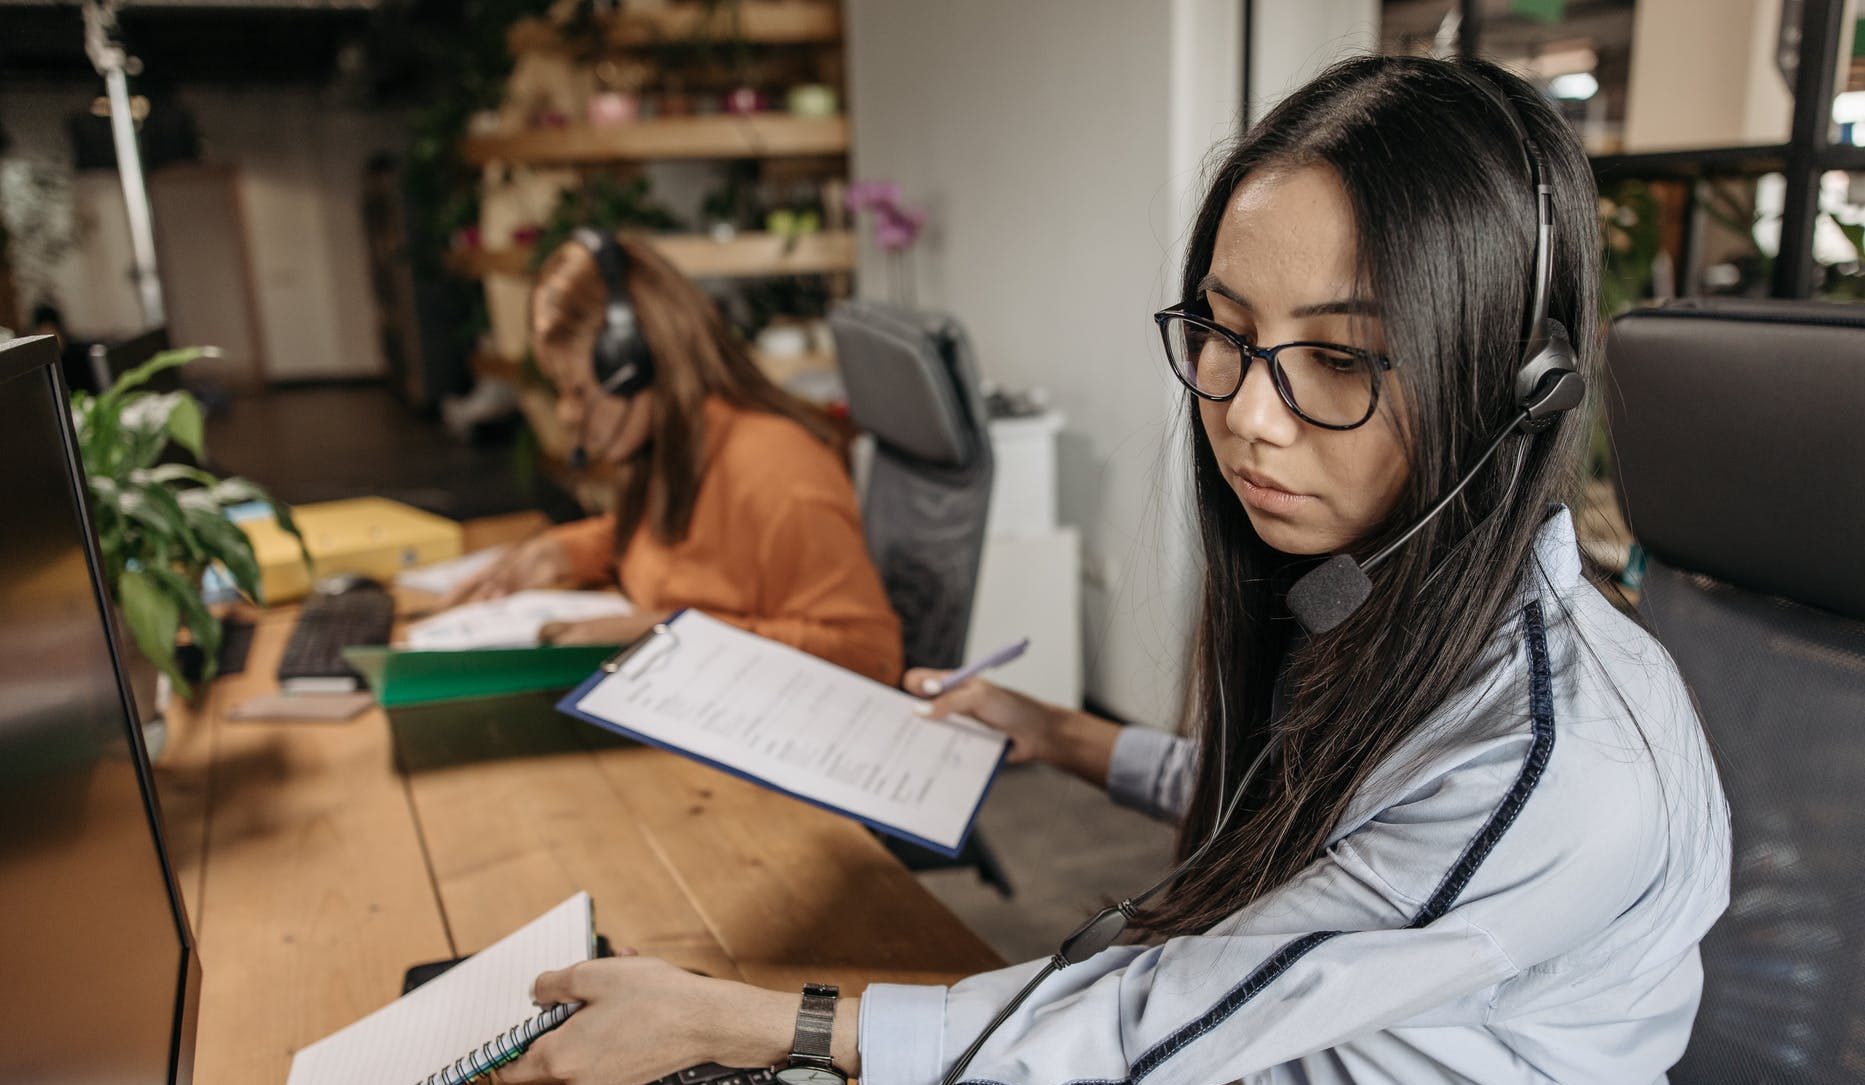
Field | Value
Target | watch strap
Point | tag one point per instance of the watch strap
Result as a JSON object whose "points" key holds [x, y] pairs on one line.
{"points": [[815, 1020]]}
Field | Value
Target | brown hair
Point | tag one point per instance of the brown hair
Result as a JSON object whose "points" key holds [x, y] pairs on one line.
{"points": [[696, 356]]}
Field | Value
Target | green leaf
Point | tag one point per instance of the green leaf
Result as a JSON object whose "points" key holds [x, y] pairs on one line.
{"points": [[224, 542], [141, 375], [149, 420], [169, 474], [161, 514], [154, 618], [185, 426], [201, 622], [238, 491], [1854, 231], [235, 491]]}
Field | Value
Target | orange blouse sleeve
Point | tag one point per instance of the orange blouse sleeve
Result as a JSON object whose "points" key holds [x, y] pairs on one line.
{"points": [[590, 544], [821, 592]]}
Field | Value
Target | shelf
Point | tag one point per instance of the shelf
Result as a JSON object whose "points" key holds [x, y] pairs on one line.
{"points": [[762, 135], [764, 22], [747, 256]]}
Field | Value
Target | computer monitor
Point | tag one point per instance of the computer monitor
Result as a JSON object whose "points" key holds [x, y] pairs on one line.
{"points": [[99, 977]]}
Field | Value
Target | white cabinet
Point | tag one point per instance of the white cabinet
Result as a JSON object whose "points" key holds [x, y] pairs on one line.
{"points": [[1029, 581]]}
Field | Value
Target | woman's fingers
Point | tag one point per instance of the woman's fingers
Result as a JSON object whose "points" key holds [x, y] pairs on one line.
{"points": [[489, 584], [551, 988], [924, 681], [969, 699]]}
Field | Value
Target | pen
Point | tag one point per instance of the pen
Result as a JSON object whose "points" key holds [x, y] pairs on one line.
{"points": [[933, 687]]}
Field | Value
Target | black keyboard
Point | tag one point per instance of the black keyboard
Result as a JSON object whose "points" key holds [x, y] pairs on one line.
{"points": [[329, 623], [713, 1074]]}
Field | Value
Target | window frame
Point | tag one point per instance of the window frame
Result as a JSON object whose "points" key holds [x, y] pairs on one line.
{"points": [[1808, 153]]}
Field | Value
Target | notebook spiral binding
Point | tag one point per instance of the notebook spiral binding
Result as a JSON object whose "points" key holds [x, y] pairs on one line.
{"points": [[496, 1053]]}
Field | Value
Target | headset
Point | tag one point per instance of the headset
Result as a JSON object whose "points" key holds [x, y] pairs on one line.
{"points": [[1547, 384], [624, 365]]}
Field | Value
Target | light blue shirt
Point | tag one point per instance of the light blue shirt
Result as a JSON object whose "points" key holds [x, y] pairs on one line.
{"points": [[1515, 896]]}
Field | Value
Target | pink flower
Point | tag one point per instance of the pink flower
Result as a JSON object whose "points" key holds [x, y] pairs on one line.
{"points": [[866, 195], [896, 225]]}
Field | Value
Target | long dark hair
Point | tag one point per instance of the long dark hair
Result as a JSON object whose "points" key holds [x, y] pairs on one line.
{"points": [[1444, 217], [697, 357]]}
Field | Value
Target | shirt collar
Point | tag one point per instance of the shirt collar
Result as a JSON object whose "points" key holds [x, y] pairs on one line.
{"points": [[1556, 566]]}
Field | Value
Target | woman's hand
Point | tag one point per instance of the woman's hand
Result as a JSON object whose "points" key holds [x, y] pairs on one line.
{"points": [[623, 629], [643, 1019], [1033, 726], [1038, 731], [540, 562]]}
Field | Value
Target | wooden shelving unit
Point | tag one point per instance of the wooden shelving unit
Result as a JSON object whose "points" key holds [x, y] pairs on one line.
{"points": [[758, 135], [763, 22], [674, 56], [747, 256]]}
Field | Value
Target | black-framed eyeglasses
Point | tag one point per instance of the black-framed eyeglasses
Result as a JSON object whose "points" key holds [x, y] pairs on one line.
{"points": [[1325, 384]]}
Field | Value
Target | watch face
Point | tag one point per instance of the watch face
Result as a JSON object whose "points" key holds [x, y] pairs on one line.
{"points": [[809, 1075]]}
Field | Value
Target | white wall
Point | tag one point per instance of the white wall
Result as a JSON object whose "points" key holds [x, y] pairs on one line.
{"points": [[1056, 142], [1061, 146], [1704, 75], [1294, 39], [300, 158]]}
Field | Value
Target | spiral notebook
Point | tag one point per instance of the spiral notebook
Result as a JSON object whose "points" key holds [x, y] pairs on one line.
{"points": [[471, 1020]]}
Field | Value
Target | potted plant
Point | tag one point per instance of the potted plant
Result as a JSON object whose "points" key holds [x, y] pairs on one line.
{"points": [[161, 525]]}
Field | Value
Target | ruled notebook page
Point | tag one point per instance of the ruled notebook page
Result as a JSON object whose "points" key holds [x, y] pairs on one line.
{"points": [[472, 1003]]}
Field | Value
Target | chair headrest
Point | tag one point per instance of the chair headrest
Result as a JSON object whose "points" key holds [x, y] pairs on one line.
{"points": [[909, 380], [1737, 429]]}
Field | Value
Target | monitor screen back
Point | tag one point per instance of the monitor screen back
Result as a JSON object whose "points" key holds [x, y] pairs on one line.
{"points": [[94, 954]]}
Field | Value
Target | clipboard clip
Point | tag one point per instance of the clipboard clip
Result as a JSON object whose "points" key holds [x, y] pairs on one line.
{"points": [[615, 663]]}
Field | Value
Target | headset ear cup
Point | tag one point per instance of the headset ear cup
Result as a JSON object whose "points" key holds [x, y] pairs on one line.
{"points": [[1549, 383], [623, 363]]}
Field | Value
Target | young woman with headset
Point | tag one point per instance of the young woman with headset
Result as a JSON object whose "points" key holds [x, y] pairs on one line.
{"points": [[1446, 815], [733, 496]]}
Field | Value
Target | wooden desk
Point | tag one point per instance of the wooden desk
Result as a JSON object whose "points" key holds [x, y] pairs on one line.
{"points": [[315, 872]]}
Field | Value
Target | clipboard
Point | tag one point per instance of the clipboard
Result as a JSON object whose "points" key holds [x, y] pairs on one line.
{"points": [[626, 672]]}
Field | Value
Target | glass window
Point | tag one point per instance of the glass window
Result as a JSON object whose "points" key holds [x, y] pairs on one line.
{"points": [[1849, 86], [1419, 27], [1652, 75], [1738, 234], [1839, 238]]}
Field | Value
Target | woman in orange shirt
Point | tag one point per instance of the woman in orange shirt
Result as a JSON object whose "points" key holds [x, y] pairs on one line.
{"points": [[733, 497]]}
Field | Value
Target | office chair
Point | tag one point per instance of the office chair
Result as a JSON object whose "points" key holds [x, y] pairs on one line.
{"points": [[913, 387], [1736, 426]]}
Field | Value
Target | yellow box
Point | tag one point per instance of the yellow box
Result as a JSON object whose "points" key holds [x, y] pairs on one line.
{"points": [[372, 536]]}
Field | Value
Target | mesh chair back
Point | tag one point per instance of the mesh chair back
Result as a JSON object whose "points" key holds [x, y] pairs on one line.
{"points": [[912, 385]]}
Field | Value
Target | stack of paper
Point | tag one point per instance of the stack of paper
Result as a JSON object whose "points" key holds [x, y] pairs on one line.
{"points": [[512, 621]]}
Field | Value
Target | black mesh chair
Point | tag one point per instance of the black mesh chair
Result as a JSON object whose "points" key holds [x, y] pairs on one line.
{"points": [[1736, 428], [913, 387]]}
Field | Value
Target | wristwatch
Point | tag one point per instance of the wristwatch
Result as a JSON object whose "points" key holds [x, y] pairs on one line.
{"points": [[809, 1053]]}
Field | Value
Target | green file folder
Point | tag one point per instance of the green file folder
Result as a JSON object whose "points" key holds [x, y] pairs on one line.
{"points": [[400, 677]]}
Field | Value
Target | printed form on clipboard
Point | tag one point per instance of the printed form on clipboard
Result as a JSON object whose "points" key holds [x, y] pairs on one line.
{"points": [[797, 724]]}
